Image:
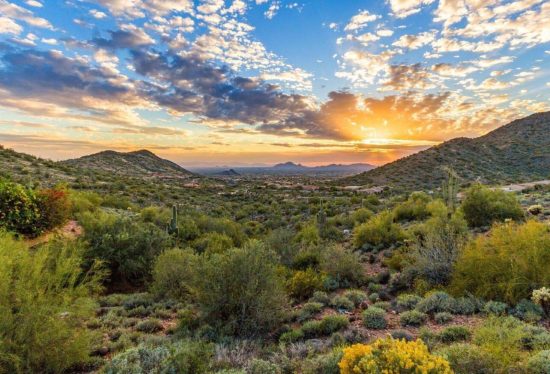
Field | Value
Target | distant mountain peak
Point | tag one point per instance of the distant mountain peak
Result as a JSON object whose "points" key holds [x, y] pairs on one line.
{"points": [[140, 163], [289, 164]]}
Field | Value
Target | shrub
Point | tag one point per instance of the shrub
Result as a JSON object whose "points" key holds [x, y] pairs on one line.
{"points": [[128, 247], [292, 336], [54, 206], [386, 305], [513, 259], [528, 311], [320, 297], [415, 208], [343, 266], [535, 209], [356, 296], [184, 357], [361, 215], [333, 323], [443, 317], [389, 355], [374, 297], [309, 310], [304, 282], [378, 232], [495, 308], [213, 242], [342, 302], [413, 318], [503, 338], [19, 210], [467, 305], [539, 363], [435, 251], [407, 301], [402, 335], [436, 302], [467, 358], [173, 273], [258, 366], [482, 206], [374, 318], [453, 334], [44, 300], [149, 326], [323, 364], [240, 291]]}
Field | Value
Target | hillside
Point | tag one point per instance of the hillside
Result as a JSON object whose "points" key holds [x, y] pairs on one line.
{"points": [[141, 163], [23, 167], [516, 152]]}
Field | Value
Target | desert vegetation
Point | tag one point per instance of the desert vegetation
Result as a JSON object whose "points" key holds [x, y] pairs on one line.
{"points": [[264, 280]]}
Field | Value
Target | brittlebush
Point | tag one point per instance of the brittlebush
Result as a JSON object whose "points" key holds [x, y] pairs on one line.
{"points": [[390, 356]]}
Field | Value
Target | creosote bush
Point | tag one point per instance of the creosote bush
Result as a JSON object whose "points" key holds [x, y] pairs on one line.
{"points": [[379, 232], [392, 356], [374, 318]]}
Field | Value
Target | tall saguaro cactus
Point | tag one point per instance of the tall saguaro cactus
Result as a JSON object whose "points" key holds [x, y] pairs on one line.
{"points": [[173, 227]]}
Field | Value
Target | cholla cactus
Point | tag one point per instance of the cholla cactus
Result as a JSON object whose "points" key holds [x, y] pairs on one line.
{"points": [[542, 298]]}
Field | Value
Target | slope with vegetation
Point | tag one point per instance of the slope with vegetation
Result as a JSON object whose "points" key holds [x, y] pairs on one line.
{"points": [[516, 152]]}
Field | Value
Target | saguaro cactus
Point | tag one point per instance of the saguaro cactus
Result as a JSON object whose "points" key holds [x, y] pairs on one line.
{"points": [[173, 227]]}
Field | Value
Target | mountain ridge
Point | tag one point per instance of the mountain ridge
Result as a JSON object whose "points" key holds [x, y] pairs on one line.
{"points": [[516, 152]]}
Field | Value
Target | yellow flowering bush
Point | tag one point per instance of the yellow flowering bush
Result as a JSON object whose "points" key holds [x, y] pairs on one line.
{"points": [[391, 356]]}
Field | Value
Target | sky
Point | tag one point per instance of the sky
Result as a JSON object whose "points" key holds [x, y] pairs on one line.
{"points": [[250, 82]]}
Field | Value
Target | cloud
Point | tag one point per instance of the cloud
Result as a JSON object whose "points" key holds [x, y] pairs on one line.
{"points": [[360, 20], [408, 77], [13, 11], [9, 26], [405, 8], [415, 41], [129, 36]]}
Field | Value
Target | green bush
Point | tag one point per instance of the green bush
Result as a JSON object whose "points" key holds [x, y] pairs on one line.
{"points": [[342, 302], [173, 274], [407, 301], [19, 209], [495, 308], [309, 310], [386, 305], [55, 207], [240, 291], [213, 242], [412, 318], [443, 317], [528, 311], [356, 296], [304, 283], [185, 357], [454, 334], [128, 247], [361, 215], [328, 325], [323, 364], [321, 297], [258, 366], [437, 302], [539, 363], [506, 265], [483, 206], [149, 326], [374, 318], [342, 265], [44, 300], [378, 232], [468, 359], [437, 247], [415, 208], [292, 336]]}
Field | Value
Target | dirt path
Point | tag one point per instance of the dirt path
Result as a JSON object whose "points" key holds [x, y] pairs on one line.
{"points": [[70, 230]]}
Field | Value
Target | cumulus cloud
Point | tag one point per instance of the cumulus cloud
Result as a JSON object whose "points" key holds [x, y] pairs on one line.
{"points": [[405, 8], [360, 20]]}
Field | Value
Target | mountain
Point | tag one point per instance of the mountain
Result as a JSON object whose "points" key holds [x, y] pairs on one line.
{"points": [[227, 173], [141, 163], [289, 166], [516, 152]]}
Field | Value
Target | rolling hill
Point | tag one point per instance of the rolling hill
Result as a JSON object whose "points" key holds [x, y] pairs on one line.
{"points": [[516, 152], [141, 163]]}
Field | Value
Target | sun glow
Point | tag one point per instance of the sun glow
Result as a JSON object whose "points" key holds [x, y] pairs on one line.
{"points": [[404, 142]]}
